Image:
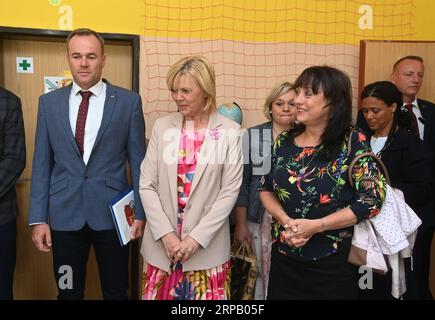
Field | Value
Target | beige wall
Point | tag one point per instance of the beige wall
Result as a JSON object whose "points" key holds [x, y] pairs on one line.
{"points": [[378, 58]]}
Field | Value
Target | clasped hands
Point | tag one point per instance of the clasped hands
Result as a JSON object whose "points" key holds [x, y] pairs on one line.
{"points": [[179, 250], [298, 231]]}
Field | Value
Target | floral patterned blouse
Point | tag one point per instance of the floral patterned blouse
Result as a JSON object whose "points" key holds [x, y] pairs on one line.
{"points": [[310, 187]]}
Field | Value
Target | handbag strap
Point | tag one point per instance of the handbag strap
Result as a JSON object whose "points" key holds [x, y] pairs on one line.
{"points": [[367, 154], [349, 141], [243, 250]]}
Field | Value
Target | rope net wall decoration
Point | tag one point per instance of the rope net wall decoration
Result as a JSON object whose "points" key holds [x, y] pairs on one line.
{"points": [[255, 44]]}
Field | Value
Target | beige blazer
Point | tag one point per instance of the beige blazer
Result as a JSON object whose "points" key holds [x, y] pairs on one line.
{"points": [[214, 191]]}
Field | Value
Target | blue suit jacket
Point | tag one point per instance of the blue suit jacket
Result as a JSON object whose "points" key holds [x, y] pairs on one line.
{"points": [[65, 192]]}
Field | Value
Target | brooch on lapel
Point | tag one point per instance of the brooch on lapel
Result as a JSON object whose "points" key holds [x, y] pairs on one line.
{"points": [[215, 133]]}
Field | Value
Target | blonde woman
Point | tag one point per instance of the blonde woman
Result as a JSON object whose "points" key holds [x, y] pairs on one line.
{"points": [[189, 183]]}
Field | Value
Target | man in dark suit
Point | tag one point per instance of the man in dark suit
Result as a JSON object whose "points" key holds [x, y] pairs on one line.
{"points": [[419, 116], [12, 163], [86, 132]]}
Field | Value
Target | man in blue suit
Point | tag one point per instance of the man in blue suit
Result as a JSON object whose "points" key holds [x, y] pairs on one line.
{"points": [[86, 132]]}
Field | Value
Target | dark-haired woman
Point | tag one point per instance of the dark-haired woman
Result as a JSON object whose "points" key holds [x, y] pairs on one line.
{"points": [[409, 164], [307, 192]]}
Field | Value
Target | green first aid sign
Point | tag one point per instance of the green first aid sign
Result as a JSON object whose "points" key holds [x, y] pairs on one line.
{"points": [[24, 65]]}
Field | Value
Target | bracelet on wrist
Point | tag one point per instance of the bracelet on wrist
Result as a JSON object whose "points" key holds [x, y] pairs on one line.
{"points": [[322, 225]]}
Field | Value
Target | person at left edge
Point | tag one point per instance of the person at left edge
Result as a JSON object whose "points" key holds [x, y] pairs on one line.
{"points": [[73, 183], [12, 163]]}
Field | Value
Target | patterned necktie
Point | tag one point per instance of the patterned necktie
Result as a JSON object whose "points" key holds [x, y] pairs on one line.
{"points": [[81, 120], [413, 120]]}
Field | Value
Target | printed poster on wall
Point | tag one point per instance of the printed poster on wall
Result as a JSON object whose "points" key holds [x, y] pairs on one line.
{"points": [[53, 83]]}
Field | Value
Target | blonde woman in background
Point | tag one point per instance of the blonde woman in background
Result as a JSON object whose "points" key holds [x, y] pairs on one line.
{"points": [[251, 224]]}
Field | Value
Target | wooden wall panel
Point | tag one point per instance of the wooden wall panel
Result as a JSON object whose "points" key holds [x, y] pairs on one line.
{"points": [[377, 59]]}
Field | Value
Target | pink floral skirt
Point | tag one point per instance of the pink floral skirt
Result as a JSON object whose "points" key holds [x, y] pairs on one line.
{"points": [[211, 284]]}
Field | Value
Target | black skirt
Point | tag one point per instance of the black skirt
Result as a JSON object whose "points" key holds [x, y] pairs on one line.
{"points": [[330, 278]]}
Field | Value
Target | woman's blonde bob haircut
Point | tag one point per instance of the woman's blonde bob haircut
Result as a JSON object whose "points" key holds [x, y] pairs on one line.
{"points": [[276, 92], [202, 71]]}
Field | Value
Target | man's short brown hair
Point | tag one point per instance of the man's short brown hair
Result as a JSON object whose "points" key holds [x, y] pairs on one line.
{"points": [[85, 32], [416, 58]]}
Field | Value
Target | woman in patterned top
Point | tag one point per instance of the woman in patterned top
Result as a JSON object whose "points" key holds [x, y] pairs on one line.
{"points": [[190, 179], [309, 196]]}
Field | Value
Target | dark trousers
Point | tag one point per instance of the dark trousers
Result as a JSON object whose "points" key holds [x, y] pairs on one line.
{"points": [[8, 254], [417, 279], [329, 278], [381, 289], [70, 257]]}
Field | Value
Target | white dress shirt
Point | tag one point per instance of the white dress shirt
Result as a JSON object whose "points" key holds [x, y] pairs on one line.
{"points": [[94, 117]]}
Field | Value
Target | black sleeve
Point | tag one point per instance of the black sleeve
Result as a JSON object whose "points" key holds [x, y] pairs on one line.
{"points": [[13, 150], [417, 177]]}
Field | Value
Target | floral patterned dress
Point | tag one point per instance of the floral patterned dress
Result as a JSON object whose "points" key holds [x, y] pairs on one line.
{"points": [[211, 284], [310, 187]]}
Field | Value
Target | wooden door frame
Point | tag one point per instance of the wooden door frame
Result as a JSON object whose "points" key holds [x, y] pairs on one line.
{"points": [[134, 41]]}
